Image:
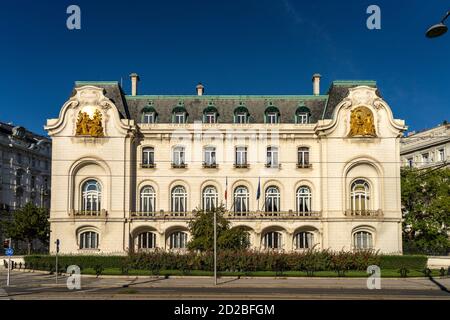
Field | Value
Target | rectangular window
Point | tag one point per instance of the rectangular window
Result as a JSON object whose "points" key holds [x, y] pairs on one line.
{"points": [[241, 117], [303, 157], [210, 156], [272, 157], [272, 117], [178, 156], [149, 117], [302, 118], [241, 156], [210, 117], [441, 155], [180, 117]]}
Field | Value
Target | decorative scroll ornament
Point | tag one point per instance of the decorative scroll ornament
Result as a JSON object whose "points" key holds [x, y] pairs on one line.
{"points": [[362, 123], [89, 127]]}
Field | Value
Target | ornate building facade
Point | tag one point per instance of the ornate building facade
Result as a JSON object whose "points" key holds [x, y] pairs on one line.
{"points": [[297, 172], [428, 148]]}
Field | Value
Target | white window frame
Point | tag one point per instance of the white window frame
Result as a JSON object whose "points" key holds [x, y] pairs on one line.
{"points": [[210, 198], [148, 155], [91, 200], [304, 199], [178, 240], [241, 155], [146, 240], [272, 117], [148, 200], [363, 240], [179, 155], [304, 240], [302, 118], [360, 200], [209, 155], [241, 117], [179, 117], [272, 200], [178, 200], [273, 240], [425, 158], [303, 156], [272, 156], [148, 117], [88, 240], [441, 155], [210, 117], [241, 198]]}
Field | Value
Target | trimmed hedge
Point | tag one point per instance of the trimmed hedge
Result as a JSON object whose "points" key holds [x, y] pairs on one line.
{"points": [[414, 262], [241, 261]]}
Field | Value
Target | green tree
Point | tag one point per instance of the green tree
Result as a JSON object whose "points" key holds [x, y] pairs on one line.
{"points": [[202, 231], [27, 224], [426, 209]]}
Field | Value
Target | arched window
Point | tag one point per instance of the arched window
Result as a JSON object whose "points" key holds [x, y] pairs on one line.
{"points": [[272, 115], [210, 198], [91, 197], [303, 157], [363, 240], [210, 114], [272, 240], [88, 240], [179, 200], [272, 157], [146, 240], [360, 196], [148, 156], [272, 200], [303, 200], [241, 114], [148, 200], [302, 115], [178, 240], [149, 115], [179, 156], [304, 240], [241, 200]]}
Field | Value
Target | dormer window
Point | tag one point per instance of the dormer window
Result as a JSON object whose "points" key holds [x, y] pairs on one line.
{"points": [[179, 114], [302, 115], [210, 114], [272, 115], [148, 115], [241, 114]]}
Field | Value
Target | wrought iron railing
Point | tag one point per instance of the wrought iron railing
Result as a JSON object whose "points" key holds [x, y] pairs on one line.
{"points": [[231, 215], [364, 213], [88, 213]]}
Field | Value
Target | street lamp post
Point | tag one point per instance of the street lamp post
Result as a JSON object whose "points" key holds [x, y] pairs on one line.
{"points": [[215, 247], [438, 29]]}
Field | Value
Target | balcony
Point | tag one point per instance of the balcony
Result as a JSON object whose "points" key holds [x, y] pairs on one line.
{"points": [[364, 213], [162, 215], [273, 166], [179, 165], [88, 214], [282, 215], [304, 165], [241, 165], [210, 165], [148, 165]]}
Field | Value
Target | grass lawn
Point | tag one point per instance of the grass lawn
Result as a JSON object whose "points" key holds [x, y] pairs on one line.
{"points": [[388, 273]]}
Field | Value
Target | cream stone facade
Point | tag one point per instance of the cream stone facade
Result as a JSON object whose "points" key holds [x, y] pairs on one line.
{"points": [[160, 158]]}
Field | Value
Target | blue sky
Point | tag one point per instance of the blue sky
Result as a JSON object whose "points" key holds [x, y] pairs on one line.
{"points": [[232, 47]]}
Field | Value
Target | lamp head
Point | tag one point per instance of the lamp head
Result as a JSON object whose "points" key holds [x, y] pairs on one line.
{"points": [[436, 30]]}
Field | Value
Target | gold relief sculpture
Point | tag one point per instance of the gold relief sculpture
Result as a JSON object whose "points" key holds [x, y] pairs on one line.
{"points": [[89, 127], [362, 123]]}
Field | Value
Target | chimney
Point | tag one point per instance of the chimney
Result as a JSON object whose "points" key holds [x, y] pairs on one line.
{"points": [[316, 84], [134, 81], [200, 89]]}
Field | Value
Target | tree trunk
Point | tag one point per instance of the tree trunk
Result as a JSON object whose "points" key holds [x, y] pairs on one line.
{"points": [[29, 247]]}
